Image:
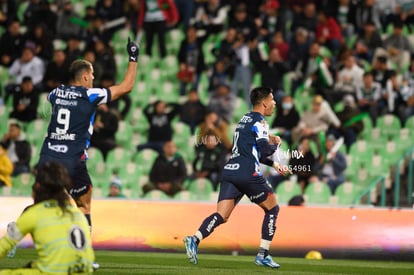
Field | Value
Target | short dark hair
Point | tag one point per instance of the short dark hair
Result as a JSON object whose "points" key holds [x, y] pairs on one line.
{"points": [[78, 67], [258, 94]]}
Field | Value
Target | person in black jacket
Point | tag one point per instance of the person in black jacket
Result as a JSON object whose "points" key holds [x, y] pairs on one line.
{"points": [[168, 172], [18, 149], [209, 160], [192, 111], [159, 115], [287, 117], [25, 101]]}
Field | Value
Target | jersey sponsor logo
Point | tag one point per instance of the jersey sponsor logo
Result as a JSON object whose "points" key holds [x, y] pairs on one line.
{"points": [[232, 166], [57, 136], [58, 148], [67, 94], [246, 119], [66, 102]]}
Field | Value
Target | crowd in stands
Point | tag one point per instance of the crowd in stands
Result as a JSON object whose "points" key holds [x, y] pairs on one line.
{"points": [[329, 62]]}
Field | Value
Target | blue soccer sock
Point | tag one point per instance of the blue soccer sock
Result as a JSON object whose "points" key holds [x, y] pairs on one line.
{"points": [[269, 223], [88, 217], [208, 226]]}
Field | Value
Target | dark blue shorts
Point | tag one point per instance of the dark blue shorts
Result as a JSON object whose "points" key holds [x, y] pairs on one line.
{"points": [[234, 186], [81, 181]]}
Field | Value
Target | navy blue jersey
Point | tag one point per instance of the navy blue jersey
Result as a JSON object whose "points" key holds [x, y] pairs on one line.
{"points": [[245, 156], [71, 122]]}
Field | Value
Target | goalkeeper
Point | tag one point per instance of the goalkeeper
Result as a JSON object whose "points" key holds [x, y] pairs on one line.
{"points": [[59, 230]]}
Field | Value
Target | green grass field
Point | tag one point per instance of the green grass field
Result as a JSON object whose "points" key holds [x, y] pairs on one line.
{"points": [[120, 262]]}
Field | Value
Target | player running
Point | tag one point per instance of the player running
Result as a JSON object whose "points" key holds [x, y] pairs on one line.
{"points": [[59, 229], [72, 119], [241, 175]]}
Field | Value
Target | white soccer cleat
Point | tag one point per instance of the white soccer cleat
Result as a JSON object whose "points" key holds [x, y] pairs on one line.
{"points": [[266, 261], [191, 247]]}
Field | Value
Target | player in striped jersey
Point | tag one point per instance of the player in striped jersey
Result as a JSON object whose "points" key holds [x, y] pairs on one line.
{"points": [[241, 176], [72, 119], [59, 229]]}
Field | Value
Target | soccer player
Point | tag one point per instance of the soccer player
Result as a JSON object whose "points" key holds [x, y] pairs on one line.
{"points": [[71, 122], [58, 228], [242, 176]]}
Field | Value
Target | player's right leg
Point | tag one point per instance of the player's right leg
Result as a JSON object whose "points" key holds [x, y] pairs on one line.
{"points": [[228, 197]]}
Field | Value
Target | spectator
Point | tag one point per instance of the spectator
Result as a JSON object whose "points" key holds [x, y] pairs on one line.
{"points": [[328, 32], [11, 44], [225, 52], [398, 47], [186, 10], [272, 72], [298, 51], [212, 123], [8, 9], [192, 111], [317, 120], [18, 149], [65, 26], [367, 11], [381, 72], [210, 17], [367, 42], [115, 189], [37, 12], [89, 55], [191, 60], [131, 10], [73, 50], [6, 168], [104, 58], [306, 19], [287, 117], [25, 101], [244, 25], [349, 78], [272, 21], [351, 122], [27, 65], [210, 157], [109, 10], [43, 40], [159, 115], [104, 130], [305, 164], [279, 43], [56, 71], [222, 101], [107, 81], [344, 12], [331, 167], [218, 76], [168, 172], [155, 18], [368, 97]]}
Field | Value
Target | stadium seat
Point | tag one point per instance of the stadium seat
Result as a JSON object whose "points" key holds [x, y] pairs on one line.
{"points": [[361, 151], [409, 123], [123, 135], [183, 195], [94, 155], [156, 195], [145, 159], [389, 125], [99, 173], [286, 190], [44, 109], [22, 184], [36, 131], [404, 139], [4, 116], [117, 157], [317, 193], [200, 189], [240, 108], [346, 193], [35, 155]]}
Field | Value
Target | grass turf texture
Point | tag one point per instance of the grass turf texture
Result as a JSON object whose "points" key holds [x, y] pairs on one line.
{"points": [[121, 262]]}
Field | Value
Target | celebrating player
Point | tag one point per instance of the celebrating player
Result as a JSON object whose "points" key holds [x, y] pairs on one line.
{"points": [[71, 123], [59, 229], [241, 176]]}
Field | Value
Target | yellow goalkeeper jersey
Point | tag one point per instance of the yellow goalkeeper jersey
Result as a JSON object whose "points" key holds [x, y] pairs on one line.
{"points": [[62, 240]]}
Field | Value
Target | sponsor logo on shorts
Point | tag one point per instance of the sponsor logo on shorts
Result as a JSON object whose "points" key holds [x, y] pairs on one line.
{"points": [[232, 166]]}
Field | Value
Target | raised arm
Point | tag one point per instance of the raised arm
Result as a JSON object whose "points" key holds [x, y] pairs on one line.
{"points": [[128, 82]]}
